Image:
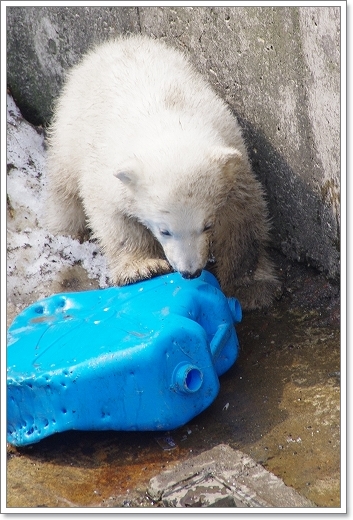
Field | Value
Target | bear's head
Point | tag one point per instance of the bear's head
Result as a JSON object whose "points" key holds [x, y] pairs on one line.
{"points": [[179, 203]]}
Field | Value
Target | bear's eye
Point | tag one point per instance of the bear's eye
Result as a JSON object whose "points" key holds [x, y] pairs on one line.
{"points": [[165, 232], [208, 226]]}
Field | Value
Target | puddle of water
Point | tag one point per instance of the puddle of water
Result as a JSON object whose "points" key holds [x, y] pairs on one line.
{"points": [[284, 402]]}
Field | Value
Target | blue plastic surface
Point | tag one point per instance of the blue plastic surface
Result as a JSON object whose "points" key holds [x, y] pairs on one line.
{"points": [[141, 357]]}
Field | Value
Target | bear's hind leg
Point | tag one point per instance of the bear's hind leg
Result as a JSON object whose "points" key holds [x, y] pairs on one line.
{"points": [[257, 289], [65, 214], [242, 266]]}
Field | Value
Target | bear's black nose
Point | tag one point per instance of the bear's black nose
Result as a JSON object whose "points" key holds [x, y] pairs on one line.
{"points": [[190, 276]]}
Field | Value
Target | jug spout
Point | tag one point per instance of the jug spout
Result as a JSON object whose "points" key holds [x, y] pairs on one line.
{"points": [[187, 379]]}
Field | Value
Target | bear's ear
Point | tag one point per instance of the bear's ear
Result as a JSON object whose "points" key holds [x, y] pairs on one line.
{"points": [[130, 173], [227, 157], [129, 178]]}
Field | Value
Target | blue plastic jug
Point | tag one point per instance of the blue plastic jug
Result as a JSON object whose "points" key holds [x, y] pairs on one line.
{"points": [[145, 356]]}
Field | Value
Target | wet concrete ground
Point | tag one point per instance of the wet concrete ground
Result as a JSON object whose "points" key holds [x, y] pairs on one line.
{"points": [[280, 404]]}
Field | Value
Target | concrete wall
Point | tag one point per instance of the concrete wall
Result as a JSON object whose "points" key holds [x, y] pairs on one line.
{"points": [[43, 42], [277, 67]]}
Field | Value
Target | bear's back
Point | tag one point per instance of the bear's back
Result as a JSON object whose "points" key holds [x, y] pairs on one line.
{"points": [[136, 97], [140, 83], [152, 74]]}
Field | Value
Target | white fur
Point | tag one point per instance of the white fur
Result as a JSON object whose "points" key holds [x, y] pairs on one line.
{"points": [[143, 151]]}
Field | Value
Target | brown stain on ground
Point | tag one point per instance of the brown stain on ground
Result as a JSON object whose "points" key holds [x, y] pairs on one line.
{"points": [[86, 469], [279, 403]]}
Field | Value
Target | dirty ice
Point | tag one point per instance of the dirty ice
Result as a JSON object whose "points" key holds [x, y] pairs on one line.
{"points": [[36, 259]]}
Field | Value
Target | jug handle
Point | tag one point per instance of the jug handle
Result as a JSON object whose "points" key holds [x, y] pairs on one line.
{"points": [[221, 337]]}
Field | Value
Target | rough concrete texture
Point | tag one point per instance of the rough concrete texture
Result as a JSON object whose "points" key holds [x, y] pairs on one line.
{"points": [[43, 42], [277, 67], [222, 477]]}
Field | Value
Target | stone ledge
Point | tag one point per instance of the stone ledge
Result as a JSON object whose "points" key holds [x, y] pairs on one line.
{"points": [[223, 477]]}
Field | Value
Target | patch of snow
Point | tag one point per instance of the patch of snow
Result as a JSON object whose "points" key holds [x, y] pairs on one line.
{"points": [[35, 257]]}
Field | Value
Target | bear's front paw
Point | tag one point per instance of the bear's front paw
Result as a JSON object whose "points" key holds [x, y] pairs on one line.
{"points": [[136, 271]]}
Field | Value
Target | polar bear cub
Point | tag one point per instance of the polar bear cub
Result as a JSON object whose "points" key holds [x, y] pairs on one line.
{"points": [[144, 154]]}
